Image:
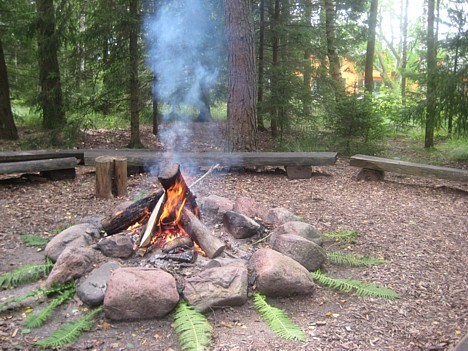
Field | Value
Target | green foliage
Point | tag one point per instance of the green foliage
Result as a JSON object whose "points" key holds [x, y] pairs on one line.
{"points": [[34, 240], [359, 287], [69, 332], [353, 260], [26, 274], [277, 320], [193, 328], [38, 319], [36, 293], [344, 237], [354, 125]]}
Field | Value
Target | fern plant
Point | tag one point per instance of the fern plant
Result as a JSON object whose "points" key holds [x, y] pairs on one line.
{"points": [[353, 260], [36, 293], [34, 240], [345, 236], [70, 331], [38, 319], [277, 319], [26, 274], [359, 287], [192, 327]]}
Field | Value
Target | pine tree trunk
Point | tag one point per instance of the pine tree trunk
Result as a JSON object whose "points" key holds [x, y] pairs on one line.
{"points": [[135, 141], [261, 67], [49, 72], [7, 123], [431, 76], [369, 69], [332, 51], [241, 105], [275, 94]]}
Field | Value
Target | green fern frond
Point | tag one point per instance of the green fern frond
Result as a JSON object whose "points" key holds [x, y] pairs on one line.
{"points": [[345, 235], [353, 260], [193, 328], [70, 331], [359, 287], [26, 274], [277, 320], [37, 293], [38, 319], [34, 240]]}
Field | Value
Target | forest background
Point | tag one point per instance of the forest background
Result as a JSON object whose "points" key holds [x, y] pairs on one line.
{"points": [[67, 67]]}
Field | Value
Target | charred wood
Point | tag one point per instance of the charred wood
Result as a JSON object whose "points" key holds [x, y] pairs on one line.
{"points": [[212, 245], [121, 220]]}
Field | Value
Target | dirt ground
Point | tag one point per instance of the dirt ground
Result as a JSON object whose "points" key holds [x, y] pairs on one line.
{"points": [[418, 225]]}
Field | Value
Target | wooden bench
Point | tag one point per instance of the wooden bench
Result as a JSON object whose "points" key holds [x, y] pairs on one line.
{"points": [[373, 168], [298, 164], [53, 168]]}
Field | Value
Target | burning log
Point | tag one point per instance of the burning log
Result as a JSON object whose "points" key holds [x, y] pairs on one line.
{"points": [[212, 245], [173, 182], [121, 220], [152, 222], [183, 242]]}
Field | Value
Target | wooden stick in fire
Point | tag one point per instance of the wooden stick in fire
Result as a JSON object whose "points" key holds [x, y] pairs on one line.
{"points": [[204, 176], [145, 240]]}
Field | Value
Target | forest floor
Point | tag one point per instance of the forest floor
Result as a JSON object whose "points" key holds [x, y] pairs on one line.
{"points": [[419, 225]]}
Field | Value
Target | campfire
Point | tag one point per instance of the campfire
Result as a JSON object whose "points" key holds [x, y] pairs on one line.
{"points": [[168, 222]]}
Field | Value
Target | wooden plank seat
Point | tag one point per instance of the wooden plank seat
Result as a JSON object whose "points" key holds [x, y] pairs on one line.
{"points": [[53, 168], [297, 164], [373, 168], [15, 156]]}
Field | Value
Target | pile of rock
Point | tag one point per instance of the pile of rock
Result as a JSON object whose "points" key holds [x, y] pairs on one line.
{"points": [[108, 272]]}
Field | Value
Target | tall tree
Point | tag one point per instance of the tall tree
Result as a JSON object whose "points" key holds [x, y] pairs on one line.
{"points": [[7, 123], [431, 76], [241, 104], [332, 50], [261, 67], [275, 85], [135, 141], [49, 73], [404, 48], [369, 69]]}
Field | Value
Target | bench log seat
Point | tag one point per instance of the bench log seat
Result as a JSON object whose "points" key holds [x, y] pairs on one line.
{"points": [[54, 168], [373, 168]]}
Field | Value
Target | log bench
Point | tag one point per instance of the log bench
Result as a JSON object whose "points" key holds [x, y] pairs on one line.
{"points": [[52, 168], [373, 168]]}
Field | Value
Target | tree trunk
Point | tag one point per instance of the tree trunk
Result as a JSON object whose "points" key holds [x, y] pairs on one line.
{"points": [[261, 67], [275, 94], [241, 105], [307, 94], [404, 48], [155, 115], [369, 69], [49, 72], [7, 123], [332, 51], [431, 76], [135, 141]]}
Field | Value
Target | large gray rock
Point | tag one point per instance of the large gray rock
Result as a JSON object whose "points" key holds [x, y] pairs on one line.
{"points": [[74, 262], [91, 291], [279, 215], [305, 230], [215, 206], [217, 287], [304, 251], [279, 275], [93, 220], [240, 226], [79, 235], [120, 246], [135, 293]]}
